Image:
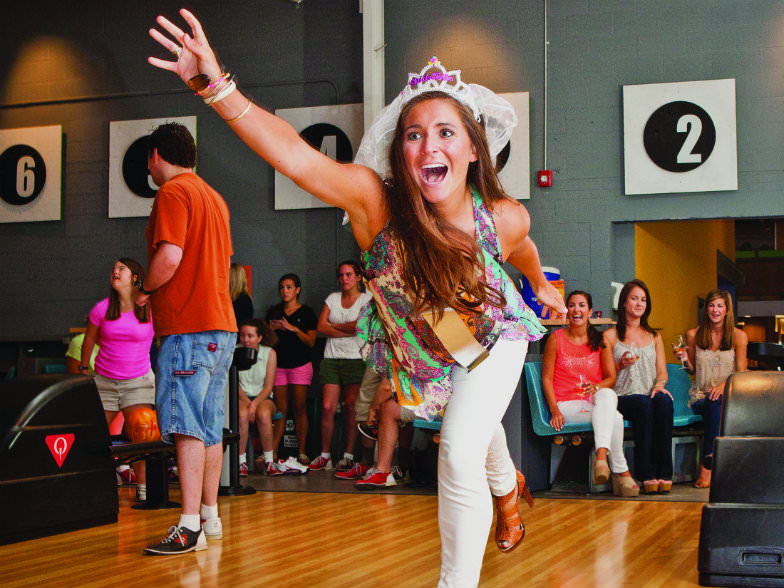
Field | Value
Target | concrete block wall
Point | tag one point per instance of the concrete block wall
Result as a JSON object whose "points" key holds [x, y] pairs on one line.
{"points": [[288, 56]]}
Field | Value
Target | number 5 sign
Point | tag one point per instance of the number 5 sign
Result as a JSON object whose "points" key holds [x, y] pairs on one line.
{"points": [[680, 137], [30, 166]]}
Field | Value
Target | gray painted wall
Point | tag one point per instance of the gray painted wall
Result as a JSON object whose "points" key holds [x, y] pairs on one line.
{"points": [[596, 47], [284, 57], [54, 271]]}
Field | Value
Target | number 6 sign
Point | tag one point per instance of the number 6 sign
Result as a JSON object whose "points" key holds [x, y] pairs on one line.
{"points": [[30, 166], [680, 137]]}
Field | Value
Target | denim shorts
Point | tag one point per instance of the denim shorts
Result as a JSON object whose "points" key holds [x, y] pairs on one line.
{"points": [[190, 384]]}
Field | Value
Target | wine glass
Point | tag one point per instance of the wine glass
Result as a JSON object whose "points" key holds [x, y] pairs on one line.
{"points": [[679, 348], [584, 390], [634, 354]]}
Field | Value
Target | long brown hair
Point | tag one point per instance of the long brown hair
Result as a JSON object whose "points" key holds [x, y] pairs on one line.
{"points": [[620, 327], [113, 310], [703, 337], [441, 264], [595, 337]]}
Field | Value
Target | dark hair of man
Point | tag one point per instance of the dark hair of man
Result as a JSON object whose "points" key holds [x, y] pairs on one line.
{"points": [[595, 337], [174, 143], [620, 327], [137, 275]]}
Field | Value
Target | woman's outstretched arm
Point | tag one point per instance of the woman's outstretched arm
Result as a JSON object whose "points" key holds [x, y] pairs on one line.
{"points": [[354, 188]]}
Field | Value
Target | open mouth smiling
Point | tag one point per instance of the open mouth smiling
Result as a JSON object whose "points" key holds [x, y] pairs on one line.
{"points": [[433, 173]]}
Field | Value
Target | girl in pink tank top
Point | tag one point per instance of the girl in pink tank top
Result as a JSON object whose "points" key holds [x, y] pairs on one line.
{"points": [[578, 373]]}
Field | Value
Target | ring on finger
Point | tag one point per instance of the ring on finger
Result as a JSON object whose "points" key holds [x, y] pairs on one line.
{"points": [[177, 50]]}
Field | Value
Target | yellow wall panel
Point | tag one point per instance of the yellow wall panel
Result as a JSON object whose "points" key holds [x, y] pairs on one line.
{"points": [[677, 260]]}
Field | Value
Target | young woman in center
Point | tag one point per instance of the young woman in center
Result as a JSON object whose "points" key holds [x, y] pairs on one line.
{"points": [[433, 236], [577, 378], [638, 353]]}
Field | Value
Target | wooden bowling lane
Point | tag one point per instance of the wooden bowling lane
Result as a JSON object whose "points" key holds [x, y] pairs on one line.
{"points": [[289, 539]]}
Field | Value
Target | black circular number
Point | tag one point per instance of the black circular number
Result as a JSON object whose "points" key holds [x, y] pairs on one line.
{"points": [[679, 136], [315, 135], [134, 169], [22, 174]]}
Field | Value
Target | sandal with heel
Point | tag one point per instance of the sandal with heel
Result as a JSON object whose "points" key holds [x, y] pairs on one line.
{"points": [[624, 486], [509, 527], [601, 472], [651, 486]]}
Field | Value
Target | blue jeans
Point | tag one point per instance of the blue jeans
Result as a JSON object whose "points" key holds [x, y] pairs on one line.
{"points": [[190, 384], [651, 420], [711, 419]]}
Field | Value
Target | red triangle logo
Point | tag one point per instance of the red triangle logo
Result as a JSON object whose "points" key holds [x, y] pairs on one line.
{"points": [[59, 446]]}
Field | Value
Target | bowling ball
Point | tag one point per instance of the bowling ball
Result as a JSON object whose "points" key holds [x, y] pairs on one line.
{"points": [[141, 425]]}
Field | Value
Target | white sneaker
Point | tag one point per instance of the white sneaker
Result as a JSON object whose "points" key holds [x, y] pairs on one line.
{"points": [[213, 528], [292, 466]]}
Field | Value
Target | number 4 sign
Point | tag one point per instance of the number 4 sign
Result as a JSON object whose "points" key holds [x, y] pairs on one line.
{"points": [[680, 137], [30, 168]]}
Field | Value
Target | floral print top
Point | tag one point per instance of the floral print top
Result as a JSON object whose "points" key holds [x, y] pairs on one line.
{"points": [[402, 346]]}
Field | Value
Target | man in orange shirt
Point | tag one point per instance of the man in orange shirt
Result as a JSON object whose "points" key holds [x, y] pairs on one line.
{"points": [[187, 283]]}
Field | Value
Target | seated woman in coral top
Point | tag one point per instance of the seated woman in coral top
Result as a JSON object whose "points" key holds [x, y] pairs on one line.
{"points": [[577, 377]]}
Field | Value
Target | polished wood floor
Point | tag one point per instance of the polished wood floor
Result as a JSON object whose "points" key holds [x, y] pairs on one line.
{"points": [[292, 539]]}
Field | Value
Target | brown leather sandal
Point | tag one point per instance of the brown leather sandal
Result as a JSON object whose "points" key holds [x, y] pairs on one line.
{"points": [[509, 528]]}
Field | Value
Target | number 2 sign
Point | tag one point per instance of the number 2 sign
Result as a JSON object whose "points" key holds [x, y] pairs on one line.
{"points": [[680, 137], [30, 168]]}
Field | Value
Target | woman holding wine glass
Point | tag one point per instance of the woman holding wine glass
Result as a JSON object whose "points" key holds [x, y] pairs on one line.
{"points": [[638, 354], [714, 349], [578, 374]]}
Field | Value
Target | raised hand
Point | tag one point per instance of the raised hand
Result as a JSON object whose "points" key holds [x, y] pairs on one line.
{"points": [[551, 299], [194, 54]]}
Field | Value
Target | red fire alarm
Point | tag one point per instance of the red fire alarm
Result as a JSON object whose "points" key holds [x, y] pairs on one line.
{"points": [[544, 178]]}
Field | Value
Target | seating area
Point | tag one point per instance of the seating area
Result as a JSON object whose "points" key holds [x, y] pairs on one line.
{"points": [[568, 472], [678, 385]]}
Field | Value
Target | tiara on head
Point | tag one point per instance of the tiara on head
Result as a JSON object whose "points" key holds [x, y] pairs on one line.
{"points": [[496, 114], [434, 77]]}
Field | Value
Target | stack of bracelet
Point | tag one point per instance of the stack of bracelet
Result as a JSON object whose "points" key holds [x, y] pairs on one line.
{"points": [[213, 90]]}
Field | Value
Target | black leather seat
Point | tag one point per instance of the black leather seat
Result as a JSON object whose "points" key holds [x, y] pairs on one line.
{"points": [[742, 530]]}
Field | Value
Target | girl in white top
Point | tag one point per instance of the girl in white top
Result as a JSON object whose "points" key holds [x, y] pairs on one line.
{"points": [[256, 391], [342, 367]]}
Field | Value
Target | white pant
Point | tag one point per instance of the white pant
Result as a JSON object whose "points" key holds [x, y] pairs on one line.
{"points": [[472, 456], [607, 423]]}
